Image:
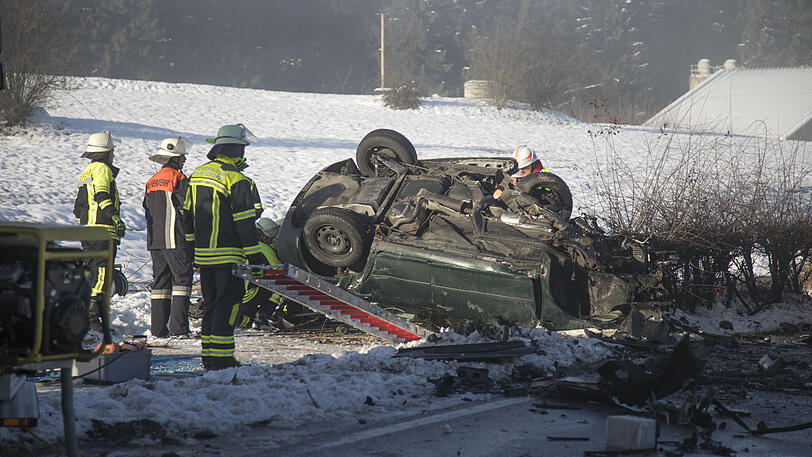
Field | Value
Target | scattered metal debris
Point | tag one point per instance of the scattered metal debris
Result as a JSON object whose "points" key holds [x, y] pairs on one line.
{"points": [[482, 352]]}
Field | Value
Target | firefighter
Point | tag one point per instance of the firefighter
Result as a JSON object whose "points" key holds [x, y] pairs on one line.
{"points": [[220, 222], [171, 254], [264, 305], [97, 204], [526, 163]]}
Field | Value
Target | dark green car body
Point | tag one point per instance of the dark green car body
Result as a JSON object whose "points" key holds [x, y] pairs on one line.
{"points": [[441, 269]]}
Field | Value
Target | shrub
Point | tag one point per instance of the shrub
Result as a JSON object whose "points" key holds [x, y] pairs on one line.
{"points": [[404, 96], [732, 207]]}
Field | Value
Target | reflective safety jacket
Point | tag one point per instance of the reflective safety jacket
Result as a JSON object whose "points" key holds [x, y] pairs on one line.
{"points": [[97, 197], [220, 214], [163, 202], [269, 258], [257, 202]]}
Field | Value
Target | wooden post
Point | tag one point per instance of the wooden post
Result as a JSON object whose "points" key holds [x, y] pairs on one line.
{"points": [[382, 52]]}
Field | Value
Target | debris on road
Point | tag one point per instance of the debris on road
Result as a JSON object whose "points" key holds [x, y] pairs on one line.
{"points": [[480, 352]]}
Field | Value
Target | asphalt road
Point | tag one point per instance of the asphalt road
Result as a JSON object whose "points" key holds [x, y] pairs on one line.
{"points": [[503, 427], [516, 427]]}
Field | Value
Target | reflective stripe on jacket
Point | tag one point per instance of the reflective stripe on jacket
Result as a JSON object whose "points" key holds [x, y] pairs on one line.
{"points": [[97, 197], [164, 196], [220, 214]]}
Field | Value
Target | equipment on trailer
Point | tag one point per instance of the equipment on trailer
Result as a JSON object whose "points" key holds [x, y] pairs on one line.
{"points": [[326, 298], [44, 294]]}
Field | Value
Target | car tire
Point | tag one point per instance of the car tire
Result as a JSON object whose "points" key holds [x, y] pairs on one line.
{"points": [[337, 237], [550, 190], [120, 283], [383, 143]]}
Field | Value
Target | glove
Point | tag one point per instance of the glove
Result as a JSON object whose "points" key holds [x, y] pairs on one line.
{"points": [[118, 224], [257, 259], [245, 322], [246, 315]]}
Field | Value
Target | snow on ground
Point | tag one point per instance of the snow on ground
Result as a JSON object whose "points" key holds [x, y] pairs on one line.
{"points": [[299, 134]]}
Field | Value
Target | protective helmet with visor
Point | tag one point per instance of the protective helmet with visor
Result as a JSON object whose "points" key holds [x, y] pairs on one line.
{"points": [[171, 147], [524, 157], [101, 142], [233, 134], [268, 227]]}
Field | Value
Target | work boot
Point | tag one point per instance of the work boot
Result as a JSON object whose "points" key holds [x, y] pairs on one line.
{"points": [[221, 363], [96, 325]]}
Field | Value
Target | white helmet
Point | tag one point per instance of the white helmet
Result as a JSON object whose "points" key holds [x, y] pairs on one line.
{"points": [[171, 147], [524, 156], [99, 142]]}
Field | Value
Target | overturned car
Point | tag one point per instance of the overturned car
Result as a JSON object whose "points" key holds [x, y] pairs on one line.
{"points": [[426, 240]]}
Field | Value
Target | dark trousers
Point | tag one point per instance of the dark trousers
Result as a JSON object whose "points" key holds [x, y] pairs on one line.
{"points": [[222, 294], [171, 287], [97, 271]]}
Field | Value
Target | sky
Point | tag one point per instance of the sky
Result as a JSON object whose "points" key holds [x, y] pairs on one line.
{"points": [[298, 134]]}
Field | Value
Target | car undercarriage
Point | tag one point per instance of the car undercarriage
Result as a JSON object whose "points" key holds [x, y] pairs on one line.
{"points": [[427, 240]]}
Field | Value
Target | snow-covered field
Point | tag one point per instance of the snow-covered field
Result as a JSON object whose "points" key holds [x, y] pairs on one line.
{"points": [[299, 134]]}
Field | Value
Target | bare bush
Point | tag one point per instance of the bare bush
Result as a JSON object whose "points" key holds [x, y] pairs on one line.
{"points": [[30, 45], [723, 203]]}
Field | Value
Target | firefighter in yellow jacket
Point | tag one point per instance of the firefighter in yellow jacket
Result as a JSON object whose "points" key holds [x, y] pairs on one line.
{"points": [[97, 204], [219, 220]]}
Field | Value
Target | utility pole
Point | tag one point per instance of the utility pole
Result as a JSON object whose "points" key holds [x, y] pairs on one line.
{"points": [[382, 52]]}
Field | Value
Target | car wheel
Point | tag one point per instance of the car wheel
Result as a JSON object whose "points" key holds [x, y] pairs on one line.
{"points": [[550, 190], [120, 283], [337, 237], [383, 144]]}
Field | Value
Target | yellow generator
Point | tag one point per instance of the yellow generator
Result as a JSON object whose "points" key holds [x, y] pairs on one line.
{"points": [[44, 294]]}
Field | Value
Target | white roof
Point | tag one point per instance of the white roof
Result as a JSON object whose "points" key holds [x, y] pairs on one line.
{"points": [[775, 101]]}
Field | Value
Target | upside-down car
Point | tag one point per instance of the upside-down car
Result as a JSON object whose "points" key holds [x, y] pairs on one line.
{"points": [[425, 239]]}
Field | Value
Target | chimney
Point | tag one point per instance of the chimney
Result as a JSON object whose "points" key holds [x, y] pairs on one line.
{"points": [[699, 73]]}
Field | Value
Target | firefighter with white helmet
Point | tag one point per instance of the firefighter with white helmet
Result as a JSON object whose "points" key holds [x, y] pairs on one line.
{"points": [[526, 163], [97, 204], [171, 254]]}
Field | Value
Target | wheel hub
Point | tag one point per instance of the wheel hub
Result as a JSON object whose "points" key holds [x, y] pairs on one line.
{"points": [[332, 240]]}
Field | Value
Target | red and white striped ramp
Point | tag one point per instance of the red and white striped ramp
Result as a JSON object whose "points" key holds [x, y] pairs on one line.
{"points": [[324, 297]]}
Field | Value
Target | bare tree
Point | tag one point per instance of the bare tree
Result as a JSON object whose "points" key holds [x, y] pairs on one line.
{"points": [[527, 64], [31, 46]]}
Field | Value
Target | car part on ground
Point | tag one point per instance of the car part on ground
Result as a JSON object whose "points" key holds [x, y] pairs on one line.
{"points": [[120, 282], [444, 251]]}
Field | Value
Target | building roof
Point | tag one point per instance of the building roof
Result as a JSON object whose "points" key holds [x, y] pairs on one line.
{"points": [[743, 101]]}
